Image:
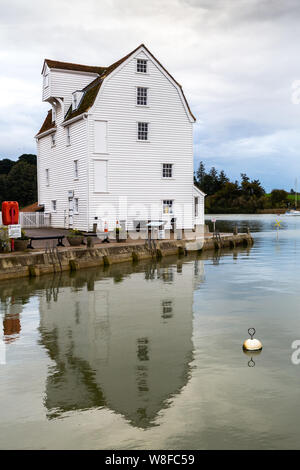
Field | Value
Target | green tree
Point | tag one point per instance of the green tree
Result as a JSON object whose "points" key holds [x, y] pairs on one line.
{"points": [[3, 188], [200, 175], [279, 198], [28, 158], [6, 165], [22, 183], [222, 179]]}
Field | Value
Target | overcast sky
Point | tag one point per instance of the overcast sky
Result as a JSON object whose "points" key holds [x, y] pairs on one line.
{"points": [[237, 61]]}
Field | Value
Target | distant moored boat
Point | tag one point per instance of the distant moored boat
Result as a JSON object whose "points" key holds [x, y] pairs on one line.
{"points": [[292, 212]]}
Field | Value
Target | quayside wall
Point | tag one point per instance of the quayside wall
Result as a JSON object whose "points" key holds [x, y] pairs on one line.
{"points": [[38, 262]]}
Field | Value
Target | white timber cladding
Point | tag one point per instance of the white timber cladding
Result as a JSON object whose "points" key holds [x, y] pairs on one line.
{"points": [[163, 327], [100, 140], [199, 212], [135, 167], [59, 160], [62, 84], [113, 164], [100, 176]]}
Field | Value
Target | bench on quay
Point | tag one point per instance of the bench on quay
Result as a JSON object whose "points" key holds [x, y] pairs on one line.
{"points": [[59, 239]]}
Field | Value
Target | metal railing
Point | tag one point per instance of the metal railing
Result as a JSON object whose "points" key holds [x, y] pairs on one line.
{"points": [[31, 219]]}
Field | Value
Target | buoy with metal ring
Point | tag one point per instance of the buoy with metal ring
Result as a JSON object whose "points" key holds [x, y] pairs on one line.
{"points": [[252, 344]]}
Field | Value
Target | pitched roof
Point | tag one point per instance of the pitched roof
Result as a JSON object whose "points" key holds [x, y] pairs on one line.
{"points": [[47, 124], [87, 100], [55, 64], [32, 208], [91, 90]]}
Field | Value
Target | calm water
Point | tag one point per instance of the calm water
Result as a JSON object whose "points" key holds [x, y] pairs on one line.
{"points": [[149, 356]]}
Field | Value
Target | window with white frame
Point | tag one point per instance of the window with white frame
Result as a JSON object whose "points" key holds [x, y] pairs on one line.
{"points": [[54, 205], [141, 65], [74, 101], [47, 177], [76, 205], [143, 130], [76, 173], [167, 171], [68, 136], [141, 96], [168, 206], [53, 141], [196, 206], [46, 80]]}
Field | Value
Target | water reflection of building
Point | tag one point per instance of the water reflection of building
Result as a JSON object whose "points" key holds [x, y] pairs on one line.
{"points": [[125, 344], [11, 310]]}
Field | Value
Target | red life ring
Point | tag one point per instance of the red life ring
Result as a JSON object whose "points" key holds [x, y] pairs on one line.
{"points": [[10, 212]]}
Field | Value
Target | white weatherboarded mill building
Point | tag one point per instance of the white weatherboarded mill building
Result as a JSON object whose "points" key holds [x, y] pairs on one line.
{"points": [[116, 145]]}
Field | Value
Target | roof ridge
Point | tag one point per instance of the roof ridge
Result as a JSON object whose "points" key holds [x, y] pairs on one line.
{"points": [[104, 69], [75, 67], [91, 89], [47, 124], [92, 83]]}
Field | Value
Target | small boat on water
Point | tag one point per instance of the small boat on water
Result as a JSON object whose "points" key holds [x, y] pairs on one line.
{"points": [[292, 212]]}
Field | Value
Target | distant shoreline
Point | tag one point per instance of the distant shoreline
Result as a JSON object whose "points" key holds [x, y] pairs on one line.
{"points": [[260, 212]]}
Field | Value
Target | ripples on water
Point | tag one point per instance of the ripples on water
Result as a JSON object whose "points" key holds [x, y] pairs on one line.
{"points": [[149, 356]]}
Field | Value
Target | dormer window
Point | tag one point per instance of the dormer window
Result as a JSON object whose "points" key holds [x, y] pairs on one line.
{"points": [[74, 101], [141, 66], [76, 97]]}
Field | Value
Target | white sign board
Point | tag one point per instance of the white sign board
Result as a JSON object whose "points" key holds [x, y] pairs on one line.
{"points": [[14, 231]]}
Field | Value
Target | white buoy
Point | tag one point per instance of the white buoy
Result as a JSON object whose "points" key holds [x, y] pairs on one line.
{"points": [[252, 344]]}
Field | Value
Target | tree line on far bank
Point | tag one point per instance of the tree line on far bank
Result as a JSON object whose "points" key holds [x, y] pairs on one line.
{"points": [[244, 196], [18, 180]]}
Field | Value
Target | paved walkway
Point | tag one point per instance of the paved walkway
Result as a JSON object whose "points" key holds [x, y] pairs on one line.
{"points": [[47, 231]]}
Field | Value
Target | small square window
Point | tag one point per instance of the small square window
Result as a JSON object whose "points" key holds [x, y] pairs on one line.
{"points": [[141, 65], [167, 206], [141, 96], [167, 170], [75, 169], [143, 130], [53, 205]]}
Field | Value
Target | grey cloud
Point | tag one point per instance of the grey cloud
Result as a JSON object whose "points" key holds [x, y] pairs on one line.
{"points": [[236, 60]]}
